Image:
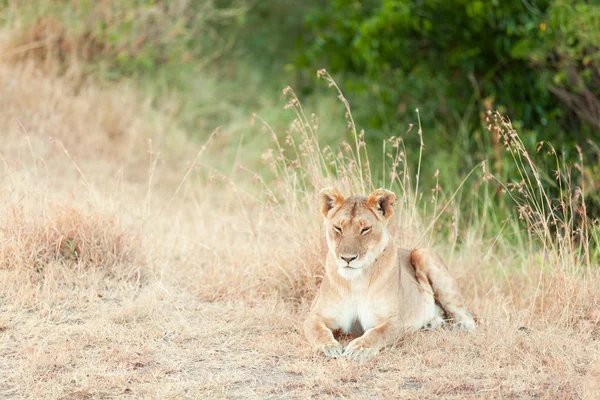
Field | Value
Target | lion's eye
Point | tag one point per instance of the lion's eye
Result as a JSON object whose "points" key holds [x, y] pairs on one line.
{"points": [[337, 229], [364, 231]]}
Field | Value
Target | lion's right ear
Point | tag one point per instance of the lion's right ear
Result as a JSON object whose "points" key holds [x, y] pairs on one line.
{"points": [[330, 199], [382, 201]]}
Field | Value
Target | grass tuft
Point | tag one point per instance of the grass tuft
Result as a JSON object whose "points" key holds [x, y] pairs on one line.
{"points": [[35, 234]]}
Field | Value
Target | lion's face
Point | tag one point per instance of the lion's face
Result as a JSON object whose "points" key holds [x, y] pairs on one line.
{"points": [[356, 228]]}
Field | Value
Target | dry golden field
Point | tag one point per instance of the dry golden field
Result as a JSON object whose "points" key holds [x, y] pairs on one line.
{"points": [[130, 268]]}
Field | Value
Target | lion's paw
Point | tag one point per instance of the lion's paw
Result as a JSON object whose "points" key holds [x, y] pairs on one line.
{"points": [[359, 351], [333, 350], [464, 324], [434, 323]]}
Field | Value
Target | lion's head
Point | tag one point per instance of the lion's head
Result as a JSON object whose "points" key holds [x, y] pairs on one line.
{"points": [[356, 228]]}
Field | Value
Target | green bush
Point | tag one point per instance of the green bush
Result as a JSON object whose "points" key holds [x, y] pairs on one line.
{"points": [[537, 61]]}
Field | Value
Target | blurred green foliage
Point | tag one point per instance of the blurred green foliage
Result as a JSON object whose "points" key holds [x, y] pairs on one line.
{"points": [[130, 37], [538, 61], [512, 54]]}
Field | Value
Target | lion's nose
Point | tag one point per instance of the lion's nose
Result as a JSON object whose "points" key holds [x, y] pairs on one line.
{"points": [[348, 259]]}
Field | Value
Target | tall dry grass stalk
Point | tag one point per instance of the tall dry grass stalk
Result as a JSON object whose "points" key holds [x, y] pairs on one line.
{"points": [[559, 223], [557, 228]]}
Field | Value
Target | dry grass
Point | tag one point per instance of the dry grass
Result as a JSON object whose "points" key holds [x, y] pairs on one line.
{"points": [[122, 274]]}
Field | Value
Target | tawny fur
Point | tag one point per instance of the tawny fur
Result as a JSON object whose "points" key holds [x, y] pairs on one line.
{"points": [[371, 287]]}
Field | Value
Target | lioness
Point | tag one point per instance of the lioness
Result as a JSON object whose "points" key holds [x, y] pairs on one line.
{"points": [[371, 287]]}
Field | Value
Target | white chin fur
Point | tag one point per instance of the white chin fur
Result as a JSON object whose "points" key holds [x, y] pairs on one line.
{"points": [[350, 273]]}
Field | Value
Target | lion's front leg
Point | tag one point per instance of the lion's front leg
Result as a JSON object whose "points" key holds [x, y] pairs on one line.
{"points": [[321, 337], [373, 340]]}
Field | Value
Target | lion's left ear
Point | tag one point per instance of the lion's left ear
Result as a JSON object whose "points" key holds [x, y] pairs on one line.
{"points": [[330, 198], [382, 201]]}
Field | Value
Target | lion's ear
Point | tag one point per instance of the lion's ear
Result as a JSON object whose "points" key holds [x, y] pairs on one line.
{"points": [[382, 201], [330, 199]]}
